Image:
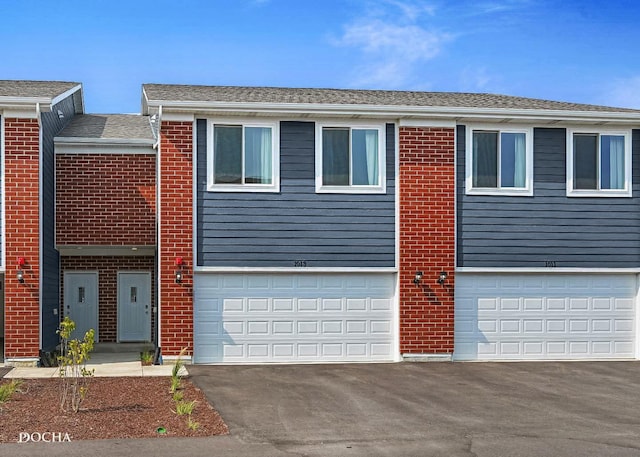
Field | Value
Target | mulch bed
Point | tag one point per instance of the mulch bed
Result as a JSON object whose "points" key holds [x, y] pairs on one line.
{"points": [[126, 407]]}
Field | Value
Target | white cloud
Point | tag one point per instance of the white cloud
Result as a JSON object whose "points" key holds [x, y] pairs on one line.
{"points": [[413, 10], [492, 7], [392, 40], [474, 79], [406, 42], [624, 93]]}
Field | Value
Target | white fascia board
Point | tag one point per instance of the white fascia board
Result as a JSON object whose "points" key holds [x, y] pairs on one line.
{"points": [[16, 102], [288, 270], [78, 141], [446, 123], [103, 146], [20, 112], [398, 111], [144, 109], [549, 270], [92, 148], [64, 95], [183, 117]]}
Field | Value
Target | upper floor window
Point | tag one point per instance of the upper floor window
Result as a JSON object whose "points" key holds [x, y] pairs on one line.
{"points": [[243, 157], [350, 159], [598, 164], [499, 161]]}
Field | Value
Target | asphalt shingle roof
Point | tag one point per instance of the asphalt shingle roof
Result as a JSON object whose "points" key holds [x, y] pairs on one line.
{"points": [[108, 126], [258, 95], [34, 89]]}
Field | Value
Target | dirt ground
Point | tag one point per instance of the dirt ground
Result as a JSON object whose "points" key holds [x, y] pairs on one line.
{"points": [[127, 407]]}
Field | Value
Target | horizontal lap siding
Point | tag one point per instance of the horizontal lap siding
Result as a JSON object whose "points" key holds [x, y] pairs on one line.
{"points": [[52, 123], [548, 227], [296, 224], [2, 215]]}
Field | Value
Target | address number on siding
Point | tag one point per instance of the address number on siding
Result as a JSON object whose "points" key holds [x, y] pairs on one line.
{"points": [[300, 263], [550, 263]]}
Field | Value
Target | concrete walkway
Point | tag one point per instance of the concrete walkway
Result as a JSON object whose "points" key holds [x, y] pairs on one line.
{"points": [[106, 365]]}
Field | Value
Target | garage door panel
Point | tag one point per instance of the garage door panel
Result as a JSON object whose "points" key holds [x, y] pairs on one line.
{"points": [[259, 351], [233, 305], [306, 317], [544, 316]]}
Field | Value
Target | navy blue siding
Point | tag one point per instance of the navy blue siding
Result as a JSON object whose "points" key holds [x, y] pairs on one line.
{"points": [[1, 208], [51, 125], [297, 226], [548, 229]]}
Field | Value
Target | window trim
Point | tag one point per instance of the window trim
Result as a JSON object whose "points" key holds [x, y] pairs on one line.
{"points": [[381, 188], [275, 159], [527, 190], [628, 170]]}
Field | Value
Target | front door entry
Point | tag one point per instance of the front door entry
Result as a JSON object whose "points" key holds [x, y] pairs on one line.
{"points": [[81, 302], [134, 306]]}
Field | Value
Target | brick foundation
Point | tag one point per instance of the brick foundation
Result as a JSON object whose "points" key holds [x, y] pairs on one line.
{"points": [[427, 239]]}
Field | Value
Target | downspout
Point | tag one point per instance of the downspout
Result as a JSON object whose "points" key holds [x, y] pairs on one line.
{"points": [[40, 226], [157, 359]]}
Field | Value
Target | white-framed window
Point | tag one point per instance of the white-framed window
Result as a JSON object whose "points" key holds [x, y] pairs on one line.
{"points": [[598, 163], [350, 158], [243, 156], [499, 161]]}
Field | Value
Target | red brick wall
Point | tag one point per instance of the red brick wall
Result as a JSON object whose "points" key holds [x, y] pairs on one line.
{"points": [[107, 268], [22, 301], [427, 239], [105, 199], [176, 236]]}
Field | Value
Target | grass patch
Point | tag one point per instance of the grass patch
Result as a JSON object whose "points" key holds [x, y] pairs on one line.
{"points": [[8, 389]]}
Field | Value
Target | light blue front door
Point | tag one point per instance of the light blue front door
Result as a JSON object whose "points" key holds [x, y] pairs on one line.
{"points": [[81, 301], [134, 306]]}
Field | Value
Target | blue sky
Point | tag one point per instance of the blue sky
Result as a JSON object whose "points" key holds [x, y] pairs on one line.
{"points": [[579, 51]]}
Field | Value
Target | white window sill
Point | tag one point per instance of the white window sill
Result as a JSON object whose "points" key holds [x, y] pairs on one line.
{"points": [[600, 193], [242, 188], [351, 190], [502, 192]]}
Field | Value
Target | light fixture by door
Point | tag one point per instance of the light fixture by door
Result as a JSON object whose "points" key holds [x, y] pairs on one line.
{"points": [[179, 264], [20, 272], [417, 278], [442, 278]]}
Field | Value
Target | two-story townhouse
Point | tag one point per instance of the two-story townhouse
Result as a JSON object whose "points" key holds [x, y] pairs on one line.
{"points": [[548, 235], [253, 224], [31, 113], [336, 225]]}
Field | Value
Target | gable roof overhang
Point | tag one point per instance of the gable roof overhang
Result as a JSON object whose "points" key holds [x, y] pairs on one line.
{"points": [[104, 133], [412, 113], [29, 98], [542, 113]]}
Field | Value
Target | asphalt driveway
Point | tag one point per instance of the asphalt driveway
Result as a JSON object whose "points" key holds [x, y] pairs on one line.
{"points": [[431, 409]]}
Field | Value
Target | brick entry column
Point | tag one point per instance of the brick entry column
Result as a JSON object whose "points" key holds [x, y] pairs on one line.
{"points": [[22, 300], [427, 239], [176, 236]]}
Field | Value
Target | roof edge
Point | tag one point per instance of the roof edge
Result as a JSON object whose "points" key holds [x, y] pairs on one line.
{"points": [[395, 111]]}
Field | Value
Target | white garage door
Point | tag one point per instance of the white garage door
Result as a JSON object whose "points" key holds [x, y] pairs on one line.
{"points": [[537, 317], [257, 318]]}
